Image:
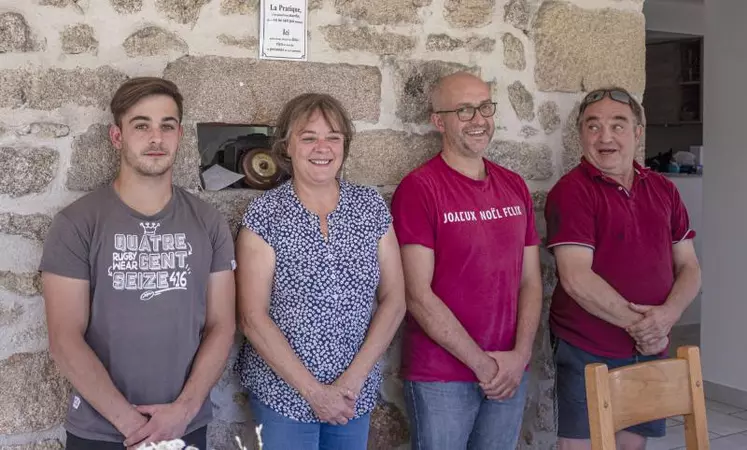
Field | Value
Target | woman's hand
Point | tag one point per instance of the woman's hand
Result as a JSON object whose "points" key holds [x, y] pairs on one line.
{"points": [[332, 404]]}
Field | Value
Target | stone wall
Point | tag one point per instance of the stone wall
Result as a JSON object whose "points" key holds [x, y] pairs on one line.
{"points": [[62, 59]]}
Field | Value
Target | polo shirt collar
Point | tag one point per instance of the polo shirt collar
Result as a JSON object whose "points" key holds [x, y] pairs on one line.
{"points": [[593, 172]]}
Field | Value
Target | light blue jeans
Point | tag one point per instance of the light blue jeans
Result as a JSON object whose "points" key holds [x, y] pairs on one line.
{"points": [[281, 433], [458, 416]]}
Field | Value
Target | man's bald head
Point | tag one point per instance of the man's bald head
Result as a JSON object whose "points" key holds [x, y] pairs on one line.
{"points": [[448, 87]]}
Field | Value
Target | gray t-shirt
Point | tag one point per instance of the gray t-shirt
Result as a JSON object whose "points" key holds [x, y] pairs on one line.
{"points": [[148, 283]]}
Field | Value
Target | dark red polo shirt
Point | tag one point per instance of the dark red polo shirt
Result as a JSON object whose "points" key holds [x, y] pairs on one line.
{"points": [[631, 233]]}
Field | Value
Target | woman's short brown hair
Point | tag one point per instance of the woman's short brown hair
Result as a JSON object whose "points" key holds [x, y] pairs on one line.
{"points": [[135, 89], [297, 112]]}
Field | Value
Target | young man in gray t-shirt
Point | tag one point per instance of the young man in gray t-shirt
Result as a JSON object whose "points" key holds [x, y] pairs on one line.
{"points": [[139, 289]]}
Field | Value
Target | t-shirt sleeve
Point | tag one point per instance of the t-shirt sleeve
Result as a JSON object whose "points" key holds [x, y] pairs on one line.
{"points": [[569, 215], [223, 248], [65, 250], [413, 215], [256, 220], [680, 219], [532, 237]]}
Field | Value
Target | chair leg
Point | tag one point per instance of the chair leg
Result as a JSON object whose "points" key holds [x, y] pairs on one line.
{"points": [[696, 424]]}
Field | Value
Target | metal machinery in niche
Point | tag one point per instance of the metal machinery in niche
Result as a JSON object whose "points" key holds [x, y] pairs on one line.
{"points": [[241, 154]]}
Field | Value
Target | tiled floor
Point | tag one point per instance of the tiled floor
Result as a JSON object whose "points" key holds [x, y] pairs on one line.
{"points": [[727, 426]]}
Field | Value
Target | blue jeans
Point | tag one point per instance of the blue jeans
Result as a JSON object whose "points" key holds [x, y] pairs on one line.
{"points": [[570, 389], [281, 433], [457, 416]]}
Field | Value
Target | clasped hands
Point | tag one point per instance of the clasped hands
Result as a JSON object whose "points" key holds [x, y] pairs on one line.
{"points": [[156, 423], [500, 378], [651, 333]]}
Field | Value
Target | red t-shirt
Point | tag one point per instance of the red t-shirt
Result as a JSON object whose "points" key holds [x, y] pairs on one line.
{"points": [[478, 230], [631, 233]]}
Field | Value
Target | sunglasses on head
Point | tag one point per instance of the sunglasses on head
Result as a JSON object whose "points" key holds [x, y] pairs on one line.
{"points": [[614, 94]]}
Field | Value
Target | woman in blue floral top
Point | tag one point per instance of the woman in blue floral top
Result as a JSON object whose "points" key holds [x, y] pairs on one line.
{"points": [[320, 288]]}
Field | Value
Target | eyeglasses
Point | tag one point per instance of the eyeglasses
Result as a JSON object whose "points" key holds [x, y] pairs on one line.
{"points": [[467, 113]]}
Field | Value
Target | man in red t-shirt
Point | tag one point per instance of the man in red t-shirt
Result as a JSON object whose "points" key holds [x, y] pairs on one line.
{"points": [[471, 262], [626, 262]]}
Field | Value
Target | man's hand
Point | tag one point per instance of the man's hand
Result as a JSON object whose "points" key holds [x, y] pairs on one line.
{"points": [[511, 367], [166, 422], [487, 370], [134, 423], [655, 348], [332, 404], [655, 325]]}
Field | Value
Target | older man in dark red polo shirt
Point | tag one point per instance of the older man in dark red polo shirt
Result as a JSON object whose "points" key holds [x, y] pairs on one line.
{"points": [[626, 262]]}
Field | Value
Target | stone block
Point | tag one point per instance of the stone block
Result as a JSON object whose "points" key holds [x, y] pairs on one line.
{"points": [[413, 83], [54, 88], [389, 428], [29, 226], [181, 11], [382, 12], [10, 312], [222, 435], [44, 130], [28, 284], [513, 52], [51, 444], [517, 13], [571, 142], [231, 203], [522, 101], [211, 86], [446, 43], [248, 42], [34, 395], [57, 3], [351, 38], [94, 161], [15, 34], [528, 131], [384, 157], [582, 49], [468, 13], [151, 41], [127, 6], [538, 199], [14, 85], [78, 39], [246, 7], [531, 161], [33, 170], [549, 117]]}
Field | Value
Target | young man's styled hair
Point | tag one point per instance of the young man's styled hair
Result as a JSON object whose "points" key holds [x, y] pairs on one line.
{"points": [[135, 89], [297, 112]]}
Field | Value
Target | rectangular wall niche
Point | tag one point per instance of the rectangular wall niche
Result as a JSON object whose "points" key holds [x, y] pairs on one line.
{"points": [[237, 156]]}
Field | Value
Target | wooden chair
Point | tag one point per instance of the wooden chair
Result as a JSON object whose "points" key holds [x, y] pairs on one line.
{"points": [[642, 392]]}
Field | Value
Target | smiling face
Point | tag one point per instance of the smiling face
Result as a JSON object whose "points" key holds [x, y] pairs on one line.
{"points": [[316, 150], [148, 136], [465, 138], [609, 137]]}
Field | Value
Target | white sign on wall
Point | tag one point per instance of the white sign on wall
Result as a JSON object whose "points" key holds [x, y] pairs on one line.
{"points": [[282, 30]]}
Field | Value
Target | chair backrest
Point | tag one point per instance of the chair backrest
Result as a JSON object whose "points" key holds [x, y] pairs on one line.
{"points": [[642, 392]]}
